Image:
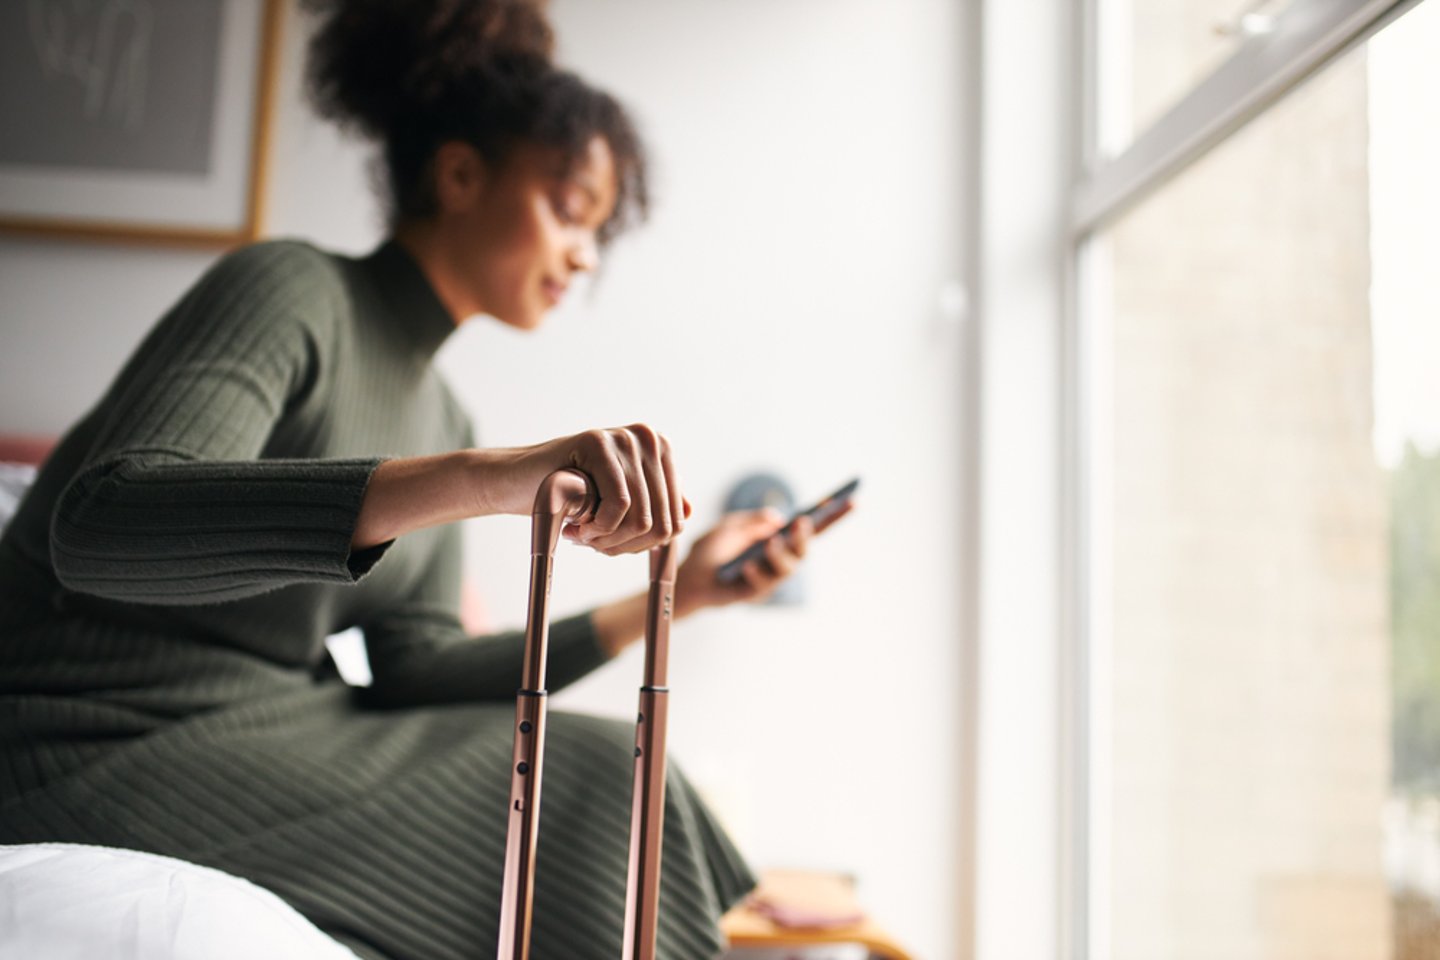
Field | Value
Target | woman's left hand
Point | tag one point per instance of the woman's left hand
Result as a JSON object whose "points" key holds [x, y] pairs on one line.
{"points": [[621, 623], [695, 585]]}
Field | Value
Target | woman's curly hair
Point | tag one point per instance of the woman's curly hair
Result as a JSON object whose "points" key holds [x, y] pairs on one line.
{"points": [[414, 74]]}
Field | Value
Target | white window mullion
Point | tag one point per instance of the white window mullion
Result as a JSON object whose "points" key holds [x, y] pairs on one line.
{"points": [[1305, 36]]}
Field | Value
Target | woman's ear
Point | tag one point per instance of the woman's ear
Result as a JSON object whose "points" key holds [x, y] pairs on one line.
{"points": [[460, 176]]}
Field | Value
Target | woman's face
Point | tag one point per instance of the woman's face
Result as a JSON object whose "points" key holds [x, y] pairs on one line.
{"points": [[519, 233]]}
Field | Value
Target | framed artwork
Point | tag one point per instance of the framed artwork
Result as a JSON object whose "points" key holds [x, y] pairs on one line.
{"points": [[136, 120]]}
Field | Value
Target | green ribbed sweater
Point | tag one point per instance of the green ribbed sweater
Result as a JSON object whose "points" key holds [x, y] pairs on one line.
{"points": [[165, 592]]}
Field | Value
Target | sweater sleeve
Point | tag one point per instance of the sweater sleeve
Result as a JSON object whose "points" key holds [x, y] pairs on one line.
{"points": [[420, 654], [172, 504]]}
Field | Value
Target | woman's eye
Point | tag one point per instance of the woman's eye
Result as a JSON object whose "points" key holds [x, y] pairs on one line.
{"points": [[572, 205], [568, 209]]}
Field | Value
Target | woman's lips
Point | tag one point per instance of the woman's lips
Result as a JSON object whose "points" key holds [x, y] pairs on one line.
{"points": [[554, 292]]}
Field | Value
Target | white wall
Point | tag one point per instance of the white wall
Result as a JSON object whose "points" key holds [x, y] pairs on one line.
{"points": [[782, 311]]}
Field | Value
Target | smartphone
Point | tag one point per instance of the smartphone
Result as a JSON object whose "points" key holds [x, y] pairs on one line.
{"points": [[819, 513]]}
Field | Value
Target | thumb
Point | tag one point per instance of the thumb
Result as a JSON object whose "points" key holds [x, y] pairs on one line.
{"points": [[765, 518]]}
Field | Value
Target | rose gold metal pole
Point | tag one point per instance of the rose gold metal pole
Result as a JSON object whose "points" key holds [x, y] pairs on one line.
{"points": [[647, 802], [565, 494]]}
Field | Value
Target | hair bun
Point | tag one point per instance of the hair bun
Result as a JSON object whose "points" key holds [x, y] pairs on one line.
{"points": [[374, 61]]}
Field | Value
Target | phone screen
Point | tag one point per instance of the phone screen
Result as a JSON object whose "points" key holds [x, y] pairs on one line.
{"points": [[819, 512]]}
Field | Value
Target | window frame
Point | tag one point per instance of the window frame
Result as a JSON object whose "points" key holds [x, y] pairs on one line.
{"points": [[1306, 37]]}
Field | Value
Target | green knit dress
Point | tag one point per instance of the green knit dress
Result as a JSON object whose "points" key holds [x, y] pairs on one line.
{"points": [[165, 592]]}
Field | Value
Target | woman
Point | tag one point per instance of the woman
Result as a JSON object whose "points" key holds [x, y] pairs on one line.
{"points": [[278, 461]]}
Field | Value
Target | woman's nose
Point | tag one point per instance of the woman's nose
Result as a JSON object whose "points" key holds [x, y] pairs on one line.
{"points": [[584, 255]]}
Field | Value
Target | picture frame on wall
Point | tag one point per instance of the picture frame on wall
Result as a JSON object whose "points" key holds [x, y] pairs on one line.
{"points": [[140, 121]]}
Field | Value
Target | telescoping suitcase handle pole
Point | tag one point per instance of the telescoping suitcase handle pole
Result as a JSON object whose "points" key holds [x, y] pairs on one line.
{"points": [[565, 495], [647, 799]]}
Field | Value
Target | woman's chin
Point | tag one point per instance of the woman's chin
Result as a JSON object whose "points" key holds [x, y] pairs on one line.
{"points": [[521, 319]]}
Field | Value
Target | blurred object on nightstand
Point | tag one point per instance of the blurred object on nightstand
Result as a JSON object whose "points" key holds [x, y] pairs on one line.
{"points": [[805, 915]]}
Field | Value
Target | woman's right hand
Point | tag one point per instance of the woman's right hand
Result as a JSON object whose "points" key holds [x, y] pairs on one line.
{"points": [[633, 471]]}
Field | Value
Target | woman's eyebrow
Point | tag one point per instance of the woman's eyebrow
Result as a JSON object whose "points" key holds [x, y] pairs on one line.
{"points": [[585, 185]]}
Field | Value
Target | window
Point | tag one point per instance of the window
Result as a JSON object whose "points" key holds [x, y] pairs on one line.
{"points": [[1261, 326]]}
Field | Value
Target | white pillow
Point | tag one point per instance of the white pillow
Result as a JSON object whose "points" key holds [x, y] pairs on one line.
{"points": [[15, 479], [64, 901]]}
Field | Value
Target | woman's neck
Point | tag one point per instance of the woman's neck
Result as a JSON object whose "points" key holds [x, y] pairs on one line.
{"points": [[421, 240]]}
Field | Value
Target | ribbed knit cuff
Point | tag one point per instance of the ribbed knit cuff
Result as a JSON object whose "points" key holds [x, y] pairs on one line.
{"points": [[152, 529]]}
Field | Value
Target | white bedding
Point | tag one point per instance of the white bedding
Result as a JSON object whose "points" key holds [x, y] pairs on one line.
{"points": [[15, 478], [63, 901]]}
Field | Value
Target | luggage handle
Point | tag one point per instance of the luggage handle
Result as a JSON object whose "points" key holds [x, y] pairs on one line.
{"points": [[566, 495]]}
